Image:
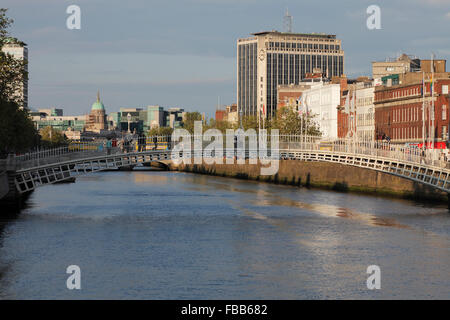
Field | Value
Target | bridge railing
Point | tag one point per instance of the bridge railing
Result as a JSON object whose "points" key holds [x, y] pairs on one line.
{"points": [[43, 156], [286, 142]]}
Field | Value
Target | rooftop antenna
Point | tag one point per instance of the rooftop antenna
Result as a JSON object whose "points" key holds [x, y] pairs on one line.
{"points": [[287, 22]]}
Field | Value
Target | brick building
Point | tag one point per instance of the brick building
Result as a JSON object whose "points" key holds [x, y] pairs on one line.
{"points": [[399, 115], [290, 95], [221, 115], [229, 113]]}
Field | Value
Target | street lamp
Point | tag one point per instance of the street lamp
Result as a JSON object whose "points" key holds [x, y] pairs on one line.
{"points": [[240, 117], [129, 120]]}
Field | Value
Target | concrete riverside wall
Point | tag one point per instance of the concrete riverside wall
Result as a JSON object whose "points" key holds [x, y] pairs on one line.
{"points": [[326, 175]]}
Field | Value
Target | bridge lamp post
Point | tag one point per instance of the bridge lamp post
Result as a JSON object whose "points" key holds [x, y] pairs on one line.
{"points": [[129, 120], [240, 118]]}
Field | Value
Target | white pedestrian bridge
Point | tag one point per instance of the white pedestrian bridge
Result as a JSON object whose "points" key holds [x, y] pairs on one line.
{"points": [[36, 169]]}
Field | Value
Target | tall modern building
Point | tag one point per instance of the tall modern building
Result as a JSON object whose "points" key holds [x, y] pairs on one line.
{"points": [[272, 58], [18, 50]]}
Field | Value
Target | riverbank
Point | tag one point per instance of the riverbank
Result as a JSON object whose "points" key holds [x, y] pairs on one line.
{"points": [[324, 175]]}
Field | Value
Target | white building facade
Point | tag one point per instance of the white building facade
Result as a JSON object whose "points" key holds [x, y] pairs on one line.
{"points": [[365, 111], [321, 102]]}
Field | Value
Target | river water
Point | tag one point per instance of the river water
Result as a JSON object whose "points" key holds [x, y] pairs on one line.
{"points": [[173, 235]]}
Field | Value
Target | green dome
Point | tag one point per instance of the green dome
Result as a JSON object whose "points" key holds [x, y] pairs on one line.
{"points": [[97, 105]]}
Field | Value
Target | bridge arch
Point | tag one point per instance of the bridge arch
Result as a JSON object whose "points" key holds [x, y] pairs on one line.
{"points": [[403, 163]]}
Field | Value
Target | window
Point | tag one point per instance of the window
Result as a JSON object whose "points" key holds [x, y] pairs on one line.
{"points": [[444, 133], [444, 112], [445, 89]]}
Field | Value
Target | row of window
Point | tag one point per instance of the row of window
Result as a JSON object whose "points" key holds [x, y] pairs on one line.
{"points": [[247, 73], [406, 115], [406, 92], [412, 114], [360, 102], [304, 46], [366, 135], [291, 69], [407, 133], [365, 119], [415, 132]]}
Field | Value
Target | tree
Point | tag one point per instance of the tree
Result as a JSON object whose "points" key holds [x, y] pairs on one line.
{"points": [[52, 138], [12, 71], [5, 22], [249, 122], [17, 132], [189, 119], [222, 126], [289, 122], [160, 131], [310, 127]]}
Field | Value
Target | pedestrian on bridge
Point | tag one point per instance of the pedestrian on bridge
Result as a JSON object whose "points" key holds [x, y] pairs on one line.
{"points": [[141, 142], [108, 146], [120, 144], [155, 142]]}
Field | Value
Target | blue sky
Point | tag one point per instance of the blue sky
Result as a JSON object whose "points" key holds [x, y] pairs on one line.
{"points": [[183, 53]]}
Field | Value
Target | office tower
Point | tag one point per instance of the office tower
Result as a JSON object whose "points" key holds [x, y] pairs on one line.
{"points": [[269, 59]]}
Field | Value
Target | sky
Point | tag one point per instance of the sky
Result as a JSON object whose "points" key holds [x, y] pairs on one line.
{"points": [[182, 53]]}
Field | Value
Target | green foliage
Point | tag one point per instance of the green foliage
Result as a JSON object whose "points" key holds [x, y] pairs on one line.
{"points": [[189, 119], [249, 122], [5, 22], [220, 125], [160, 131], [311, 127], [52, 138], [12, 71], [17, 132], [289, 122], [12, 74]]}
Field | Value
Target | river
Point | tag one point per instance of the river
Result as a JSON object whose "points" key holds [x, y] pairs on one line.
{"points": [[173, 235]]}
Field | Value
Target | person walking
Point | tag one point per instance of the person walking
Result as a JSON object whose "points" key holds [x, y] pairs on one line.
{"points": [[125, 145], [155, 142], [422, 155], [141, 142], [121, 145], [108, 146]]}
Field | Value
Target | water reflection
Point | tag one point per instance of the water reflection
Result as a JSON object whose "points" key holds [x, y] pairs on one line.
{"points": [[170, 235]]}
